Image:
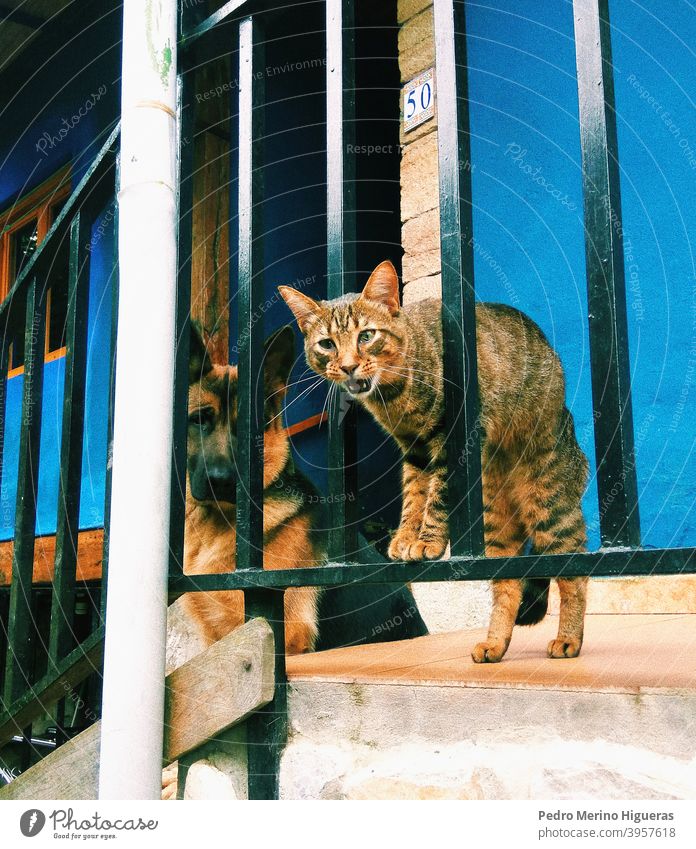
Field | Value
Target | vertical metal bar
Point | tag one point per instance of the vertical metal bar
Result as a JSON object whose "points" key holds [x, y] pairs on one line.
{"points": [[606, 286], [267, 729], [63, 599], [340, 257], [186, 110], [20, 637], [458, 296], [250, 400]]}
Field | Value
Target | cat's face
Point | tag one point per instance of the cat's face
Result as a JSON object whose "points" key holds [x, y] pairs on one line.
{"points": [[355, 341]]}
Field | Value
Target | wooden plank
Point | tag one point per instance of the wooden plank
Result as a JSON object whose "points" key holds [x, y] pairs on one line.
{"points": [[219, 687], [215, 690], [89, 558], [71, 772]]}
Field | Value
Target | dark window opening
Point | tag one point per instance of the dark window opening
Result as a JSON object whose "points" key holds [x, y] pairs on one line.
{"points": [[22, 229]]}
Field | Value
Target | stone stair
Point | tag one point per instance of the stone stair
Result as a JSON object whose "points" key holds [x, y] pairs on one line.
{"points": [[420, 720]]}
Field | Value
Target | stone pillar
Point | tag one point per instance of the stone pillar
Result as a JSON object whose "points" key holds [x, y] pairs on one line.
{"points": [[420, 220]]}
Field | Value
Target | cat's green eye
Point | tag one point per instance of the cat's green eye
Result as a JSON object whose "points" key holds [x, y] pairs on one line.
{"points": [[366, 335], [326, 344]]}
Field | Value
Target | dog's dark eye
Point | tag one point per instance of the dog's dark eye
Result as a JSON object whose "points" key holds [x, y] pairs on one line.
{"points": [[366, 335], [202, 419], [326, 344]]}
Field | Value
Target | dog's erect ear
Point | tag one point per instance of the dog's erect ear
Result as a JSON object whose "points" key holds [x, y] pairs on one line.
{"points": [[303, 307], [383, 287], [279, 356], [199, 361]]}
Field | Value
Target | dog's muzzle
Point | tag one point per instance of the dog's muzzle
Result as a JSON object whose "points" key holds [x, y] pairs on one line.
{"points": [[215, 483]]}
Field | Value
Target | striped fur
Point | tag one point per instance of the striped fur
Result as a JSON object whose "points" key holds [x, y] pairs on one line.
{"points": [[389, 358]]}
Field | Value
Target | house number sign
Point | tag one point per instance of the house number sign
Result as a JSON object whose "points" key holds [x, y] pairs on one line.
{"points": [[419, 100]]}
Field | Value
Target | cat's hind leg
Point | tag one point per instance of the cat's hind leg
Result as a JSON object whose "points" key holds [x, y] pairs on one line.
{"points": [[550, 496]]}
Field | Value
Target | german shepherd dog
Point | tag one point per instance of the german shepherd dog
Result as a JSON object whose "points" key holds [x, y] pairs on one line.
{"points": [[292, 523], [293, 513], [294, 529]]}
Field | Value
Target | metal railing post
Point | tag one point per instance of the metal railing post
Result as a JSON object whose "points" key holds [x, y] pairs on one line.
{"points": [[619, 521]]}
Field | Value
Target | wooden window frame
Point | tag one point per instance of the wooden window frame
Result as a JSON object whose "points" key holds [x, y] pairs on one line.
{"points": [[37, 204]]}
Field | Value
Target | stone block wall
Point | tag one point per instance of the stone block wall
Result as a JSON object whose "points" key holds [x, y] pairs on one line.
{"points": [[420, 219]]}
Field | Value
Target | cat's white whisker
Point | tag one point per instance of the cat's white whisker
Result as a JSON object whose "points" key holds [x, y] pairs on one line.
{"points": [[297, 398]]}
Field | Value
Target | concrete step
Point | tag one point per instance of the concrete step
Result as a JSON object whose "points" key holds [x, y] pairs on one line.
{"points": [[452, 606], [419, 719]]}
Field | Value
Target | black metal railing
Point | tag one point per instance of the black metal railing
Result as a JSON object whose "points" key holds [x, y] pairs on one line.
{"points": [[616, 480], [42, 670], [65, 662]]}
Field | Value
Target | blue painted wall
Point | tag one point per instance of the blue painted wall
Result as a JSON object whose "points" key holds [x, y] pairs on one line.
{"points": [[529, 220], [528, 227], [46, 100]]}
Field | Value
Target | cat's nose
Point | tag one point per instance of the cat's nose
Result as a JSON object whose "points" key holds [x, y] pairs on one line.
{"points": [[349, 369]]}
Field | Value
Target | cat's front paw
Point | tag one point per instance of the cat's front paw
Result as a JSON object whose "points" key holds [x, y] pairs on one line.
{"points": [[401, 544], [412, 548], [490, 651], [564, 647], [426, 550]]}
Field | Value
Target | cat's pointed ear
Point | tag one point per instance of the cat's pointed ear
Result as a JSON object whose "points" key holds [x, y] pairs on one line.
{"points": [[383, 287], [303, 307], [199, 361]]}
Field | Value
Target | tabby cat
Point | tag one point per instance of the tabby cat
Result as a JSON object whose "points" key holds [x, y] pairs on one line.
{"points": [[389, 358]]}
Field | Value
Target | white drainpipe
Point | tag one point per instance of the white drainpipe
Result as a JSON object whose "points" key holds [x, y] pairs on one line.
{"points": [[133, 698]]}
